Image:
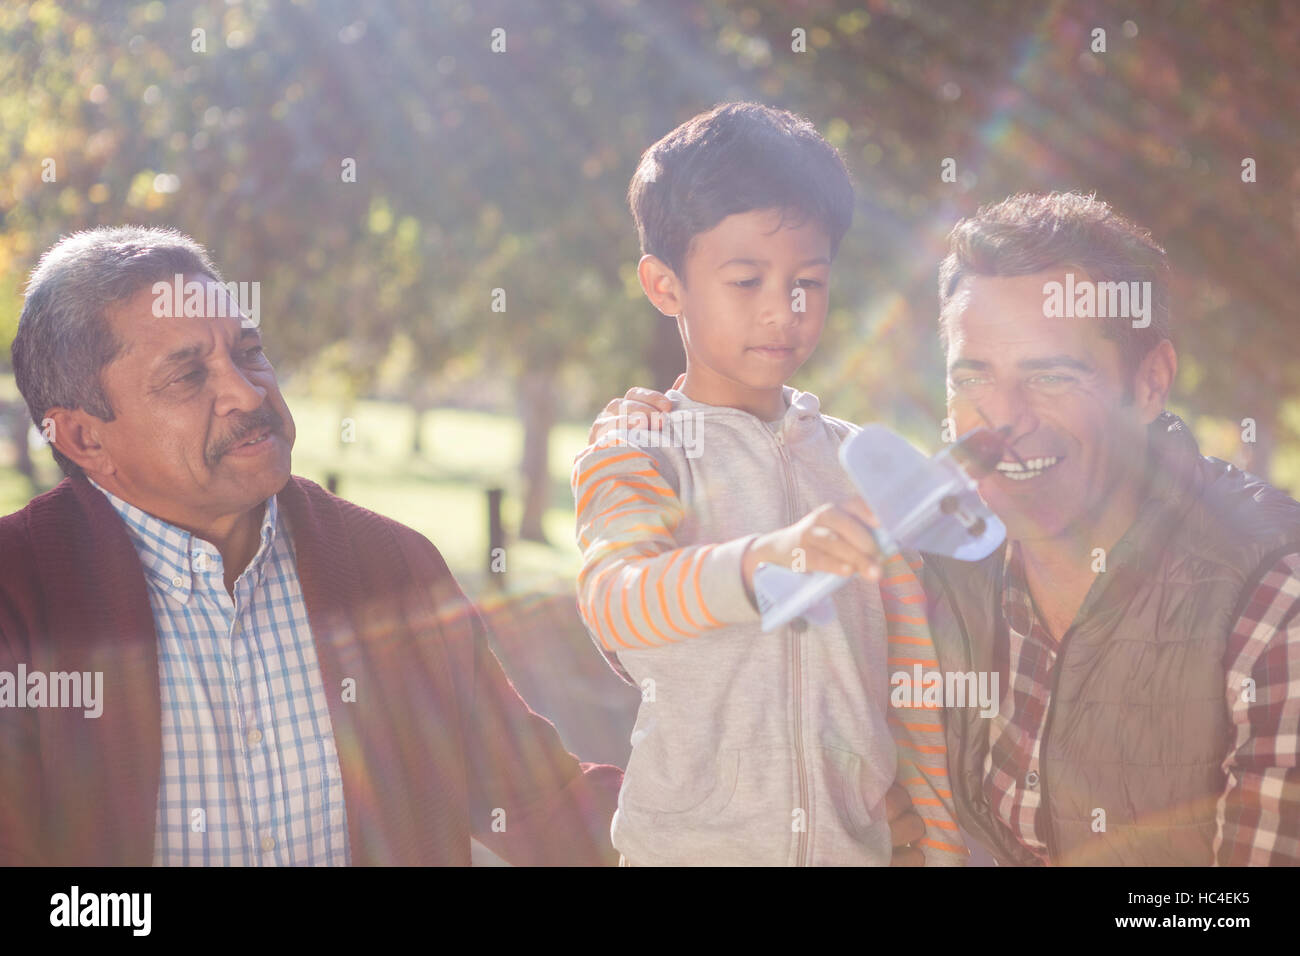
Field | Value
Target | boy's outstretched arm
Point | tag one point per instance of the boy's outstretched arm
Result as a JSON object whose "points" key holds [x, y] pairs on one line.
{"points": [[638, 588]]}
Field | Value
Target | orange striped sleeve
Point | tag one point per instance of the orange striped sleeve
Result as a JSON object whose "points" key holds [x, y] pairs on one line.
{"points": [[639, 587], [917, 727]]}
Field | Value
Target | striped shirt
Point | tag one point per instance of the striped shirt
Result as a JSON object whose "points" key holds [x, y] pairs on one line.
{"points": [[250, 775], [1259, 811]]}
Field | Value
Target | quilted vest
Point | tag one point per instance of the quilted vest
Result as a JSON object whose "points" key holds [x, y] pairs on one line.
{"points": [[1138, 724]]}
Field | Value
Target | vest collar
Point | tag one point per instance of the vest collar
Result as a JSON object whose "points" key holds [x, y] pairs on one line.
{"points": [[1172, 487]]}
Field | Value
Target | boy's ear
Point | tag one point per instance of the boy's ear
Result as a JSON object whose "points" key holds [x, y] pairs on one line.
{"points": [[660, 285]]}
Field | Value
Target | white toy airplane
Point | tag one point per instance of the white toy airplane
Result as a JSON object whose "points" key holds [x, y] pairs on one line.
{"points": [[924, 504]]}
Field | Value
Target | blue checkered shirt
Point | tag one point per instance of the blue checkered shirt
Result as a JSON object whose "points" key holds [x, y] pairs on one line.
{"points": [[250, 774]]}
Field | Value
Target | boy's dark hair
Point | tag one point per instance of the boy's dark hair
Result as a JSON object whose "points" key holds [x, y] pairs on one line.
{"points": [[1032, 232], [64, 339], [736, 158]]}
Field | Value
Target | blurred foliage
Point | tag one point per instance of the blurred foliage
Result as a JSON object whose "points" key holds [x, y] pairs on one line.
{"points": [[478, 170]]}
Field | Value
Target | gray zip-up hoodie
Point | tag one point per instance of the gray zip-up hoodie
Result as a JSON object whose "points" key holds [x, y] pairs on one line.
{"points": [[749, 748]]}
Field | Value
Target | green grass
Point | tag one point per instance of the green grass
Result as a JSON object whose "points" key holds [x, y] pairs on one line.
{"points": [[441, 493]]}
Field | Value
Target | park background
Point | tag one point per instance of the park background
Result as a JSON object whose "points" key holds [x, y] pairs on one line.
{"points": [[479, 169]]}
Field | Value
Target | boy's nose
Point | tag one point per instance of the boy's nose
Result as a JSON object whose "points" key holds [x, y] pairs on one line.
{"points": [[779, 307]]}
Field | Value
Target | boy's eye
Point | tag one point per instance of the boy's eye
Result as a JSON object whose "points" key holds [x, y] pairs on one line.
{"points": [[747, 283], [810, 283], [968, 381]]}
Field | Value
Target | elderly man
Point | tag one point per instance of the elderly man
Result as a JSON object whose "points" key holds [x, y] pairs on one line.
{"points": [[286, 678], [1144, 614]]}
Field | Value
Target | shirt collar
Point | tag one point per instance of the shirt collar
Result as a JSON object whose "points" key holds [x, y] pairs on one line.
{"points": [[176, 561], [801, 417]]}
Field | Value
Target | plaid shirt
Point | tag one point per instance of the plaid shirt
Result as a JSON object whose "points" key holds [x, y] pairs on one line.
{"points": [[1259, 811], [250, 775]]}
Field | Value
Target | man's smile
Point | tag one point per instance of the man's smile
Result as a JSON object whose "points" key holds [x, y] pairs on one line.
{"points": [[1028, 469]]}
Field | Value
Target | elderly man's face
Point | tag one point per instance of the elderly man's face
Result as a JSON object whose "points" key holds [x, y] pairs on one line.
{"points": [[192, 397], [1060, 385]]}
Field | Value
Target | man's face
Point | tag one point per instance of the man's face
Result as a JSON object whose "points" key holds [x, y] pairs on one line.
{"points": [[744, 280], [189, 395], [1060, 385]]}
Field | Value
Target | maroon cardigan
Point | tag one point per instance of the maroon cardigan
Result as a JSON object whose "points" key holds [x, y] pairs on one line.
{"points": [[436, 740]]}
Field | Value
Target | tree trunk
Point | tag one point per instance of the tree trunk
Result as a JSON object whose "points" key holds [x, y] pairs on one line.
{"points": [[537, 411], [418, 411]]}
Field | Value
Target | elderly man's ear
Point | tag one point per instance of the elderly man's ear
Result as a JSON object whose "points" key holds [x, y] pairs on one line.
{"points": [[75, 433], [1155, 377]]}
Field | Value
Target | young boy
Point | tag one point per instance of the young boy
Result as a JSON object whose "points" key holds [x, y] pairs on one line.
{"points": [[750, 748]]}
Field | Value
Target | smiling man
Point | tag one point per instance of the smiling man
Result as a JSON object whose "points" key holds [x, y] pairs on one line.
{"points": [[288, 679], [1146, 608]]}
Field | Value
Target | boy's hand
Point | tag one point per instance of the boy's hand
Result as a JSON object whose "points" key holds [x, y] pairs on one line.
{"points": [[834, 538], [905, 828], [645, 403]]}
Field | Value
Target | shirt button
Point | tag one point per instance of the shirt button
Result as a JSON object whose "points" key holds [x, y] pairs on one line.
{"points": [[1031, 779], [268, 844], [254, 737], [177, 581], [201, 561]]}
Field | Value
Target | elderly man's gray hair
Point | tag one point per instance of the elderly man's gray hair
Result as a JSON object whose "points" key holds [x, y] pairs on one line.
{"points": [[64, 339]]}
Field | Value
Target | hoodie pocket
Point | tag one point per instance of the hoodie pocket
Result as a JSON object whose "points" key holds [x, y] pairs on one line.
{"points": [[669, 807], [860, 792]]}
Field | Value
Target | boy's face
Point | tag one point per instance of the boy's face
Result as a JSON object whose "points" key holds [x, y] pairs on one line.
{"points": [[750, 306]]}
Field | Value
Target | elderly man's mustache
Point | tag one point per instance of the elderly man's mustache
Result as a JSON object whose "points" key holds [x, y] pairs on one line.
{"points": [[260, 420]]}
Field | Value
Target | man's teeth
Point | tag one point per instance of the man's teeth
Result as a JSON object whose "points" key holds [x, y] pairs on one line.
{"points": [[1032, 468]]}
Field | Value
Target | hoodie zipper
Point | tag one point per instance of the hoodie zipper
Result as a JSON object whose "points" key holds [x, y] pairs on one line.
{"points": [[795, 630]]}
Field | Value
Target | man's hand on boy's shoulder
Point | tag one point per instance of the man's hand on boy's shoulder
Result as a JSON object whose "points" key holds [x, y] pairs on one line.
{"points": [[641, 407]]}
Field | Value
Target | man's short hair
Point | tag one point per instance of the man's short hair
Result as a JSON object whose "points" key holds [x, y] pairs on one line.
{"points": [[64, 339], [1033, 232], [736, 158]]}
